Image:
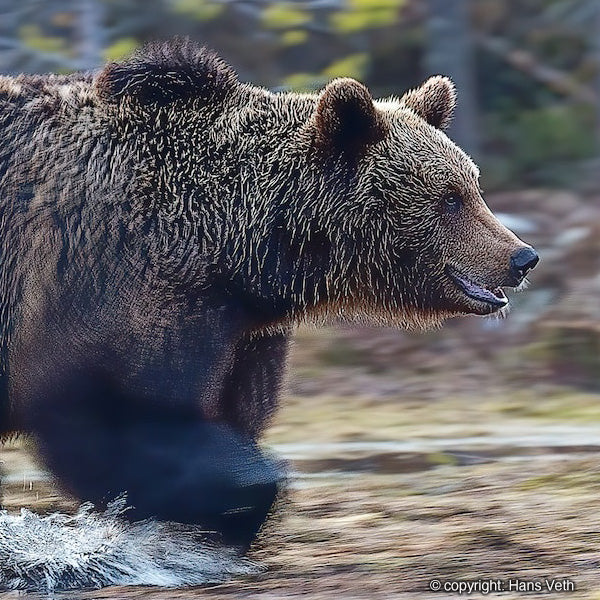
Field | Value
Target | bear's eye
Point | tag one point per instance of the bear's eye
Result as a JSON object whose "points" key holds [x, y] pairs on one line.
{"points": [[452, 201]]}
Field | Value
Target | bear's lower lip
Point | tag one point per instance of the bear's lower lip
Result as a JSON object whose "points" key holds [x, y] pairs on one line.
{"points": [[494, 297]]}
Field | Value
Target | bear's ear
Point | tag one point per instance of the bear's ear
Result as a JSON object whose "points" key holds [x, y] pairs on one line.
{"points": [[434, 101], [346, 119], [162, 72]]}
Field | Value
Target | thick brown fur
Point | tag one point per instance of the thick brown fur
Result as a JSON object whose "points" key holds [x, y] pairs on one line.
{"points": [[164, 226], [434, 101]]}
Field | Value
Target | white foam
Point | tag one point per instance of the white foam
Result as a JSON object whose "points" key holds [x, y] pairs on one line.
{"points": [[93, 550]]}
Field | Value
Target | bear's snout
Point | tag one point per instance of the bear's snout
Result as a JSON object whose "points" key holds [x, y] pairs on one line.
{"points": [[521, 262]]}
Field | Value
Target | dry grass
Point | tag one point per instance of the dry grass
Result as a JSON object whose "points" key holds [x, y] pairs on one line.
{"points": [[363, 535]]}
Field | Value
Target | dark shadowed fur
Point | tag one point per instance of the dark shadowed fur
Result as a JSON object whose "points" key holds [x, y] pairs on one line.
{"points": [[163, 227], [162, 73]]}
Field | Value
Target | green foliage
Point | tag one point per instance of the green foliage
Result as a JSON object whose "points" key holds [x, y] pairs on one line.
{"points": [[366, 14], [294, 37], [304, 82], [354, 65], [284, 15], [120, 49], [33, 37], [539, 145], [202, 10], [553, 133]]}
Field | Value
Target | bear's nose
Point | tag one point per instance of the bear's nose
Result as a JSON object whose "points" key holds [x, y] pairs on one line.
{"points": [[522, 261]]}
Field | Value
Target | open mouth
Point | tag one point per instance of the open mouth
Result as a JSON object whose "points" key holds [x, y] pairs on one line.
{"points": [[494, 297]]}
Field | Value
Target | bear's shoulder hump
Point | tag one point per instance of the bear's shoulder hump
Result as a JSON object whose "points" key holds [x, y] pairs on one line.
{"points": [[162, 72]]}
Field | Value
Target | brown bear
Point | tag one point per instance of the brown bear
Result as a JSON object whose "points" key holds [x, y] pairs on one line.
{"points": [[163, 227]]}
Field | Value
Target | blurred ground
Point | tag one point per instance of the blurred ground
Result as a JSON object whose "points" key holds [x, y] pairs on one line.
{"points": [[398, 480]]}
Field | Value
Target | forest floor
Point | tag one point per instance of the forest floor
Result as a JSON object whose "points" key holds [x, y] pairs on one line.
{"points": [[389, 493]]}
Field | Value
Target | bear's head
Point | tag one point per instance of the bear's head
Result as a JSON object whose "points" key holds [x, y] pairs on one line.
{"points": [[320, 205], [424, 244]]}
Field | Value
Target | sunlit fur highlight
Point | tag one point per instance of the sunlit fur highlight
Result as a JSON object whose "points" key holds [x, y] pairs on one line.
{"points": [[223, 183], [162, 229]]}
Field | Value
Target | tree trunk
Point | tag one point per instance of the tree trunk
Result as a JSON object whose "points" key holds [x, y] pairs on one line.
{"points": [[90, 34], [450, 52]]}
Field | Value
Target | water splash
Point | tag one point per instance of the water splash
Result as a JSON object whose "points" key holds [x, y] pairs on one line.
{"points": [[96, 549]]}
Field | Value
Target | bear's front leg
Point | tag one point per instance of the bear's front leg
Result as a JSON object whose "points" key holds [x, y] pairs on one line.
{"points": [[173, 465], [207, 474], [252, 387]]}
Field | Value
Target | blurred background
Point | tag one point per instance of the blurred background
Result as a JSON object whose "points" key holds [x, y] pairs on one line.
{"points": [[390, 431]]}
